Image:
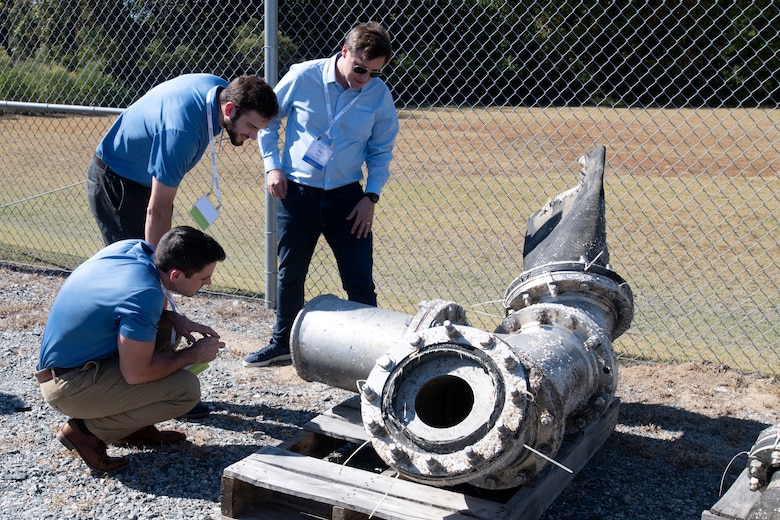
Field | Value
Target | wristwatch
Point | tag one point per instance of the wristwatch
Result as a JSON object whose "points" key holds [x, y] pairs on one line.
{"points": [[373, 197]]}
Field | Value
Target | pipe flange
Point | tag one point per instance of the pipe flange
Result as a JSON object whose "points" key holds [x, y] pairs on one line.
{"points": [[544, 431], [562, 282], [434, 313], [454, 400], [592, 338]]}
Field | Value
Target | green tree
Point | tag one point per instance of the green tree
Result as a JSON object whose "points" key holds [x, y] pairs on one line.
{"points": [[248, 46]]}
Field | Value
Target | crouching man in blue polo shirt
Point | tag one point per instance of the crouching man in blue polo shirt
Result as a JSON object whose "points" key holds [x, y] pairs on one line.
{"points": [[108, 356]]}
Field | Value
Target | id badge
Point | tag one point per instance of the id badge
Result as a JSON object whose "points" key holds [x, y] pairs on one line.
{"points": [[318, 155], [204, 212]]}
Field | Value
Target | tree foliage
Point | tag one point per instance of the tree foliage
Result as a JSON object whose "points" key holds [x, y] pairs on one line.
{"points": [[448, 52]]}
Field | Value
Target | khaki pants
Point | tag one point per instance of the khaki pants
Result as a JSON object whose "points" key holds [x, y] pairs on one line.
{"points": [[113, 409]]}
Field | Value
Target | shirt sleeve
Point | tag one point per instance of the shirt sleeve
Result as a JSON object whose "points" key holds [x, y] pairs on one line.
{"points": [[139, 314], [268, 138], [379, 148]]}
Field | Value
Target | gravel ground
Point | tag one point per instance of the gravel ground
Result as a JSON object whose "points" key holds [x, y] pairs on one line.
{"points": [[678, 429]]}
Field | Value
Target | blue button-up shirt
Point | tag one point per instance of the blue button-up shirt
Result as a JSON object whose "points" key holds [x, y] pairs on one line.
{"points": [[364, 134]]}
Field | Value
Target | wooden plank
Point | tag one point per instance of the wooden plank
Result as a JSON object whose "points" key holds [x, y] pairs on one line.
{"points": [[312, 444], [530, 502], [238, 496], [339, 513], [334, 427], [349, 409], [330, 430], [380, 496], [282, 479], [343, 421], [736, 503]]}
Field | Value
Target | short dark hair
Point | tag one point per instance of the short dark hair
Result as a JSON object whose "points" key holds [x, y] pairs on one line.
{"points": [[251, 93], [187, 249], [370, 39]]}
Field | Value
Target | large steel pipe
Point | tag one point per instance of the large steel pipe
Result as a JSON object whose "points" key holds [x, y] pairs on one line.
{"points": [[446, 403], [338, 342]]}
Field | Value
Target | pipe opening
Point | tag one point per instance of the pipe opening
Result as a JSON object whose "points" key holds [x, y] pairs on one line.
{"points": [[444, 401]]}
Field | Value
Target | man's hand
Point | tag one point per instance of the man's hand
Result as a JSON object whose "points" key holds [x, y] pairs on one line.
{"points": [[206, 349], [185, 327], [276, 183], [363, 213]]}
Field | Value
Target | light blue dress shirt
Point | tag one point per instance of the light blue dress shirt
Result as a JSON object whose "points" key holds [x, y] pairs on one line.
{"points": [[363, 134]]}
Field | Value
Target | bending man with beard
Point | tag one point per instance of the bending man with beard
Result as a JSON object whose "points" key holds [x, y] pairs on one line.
{"points": [[138, 166]]}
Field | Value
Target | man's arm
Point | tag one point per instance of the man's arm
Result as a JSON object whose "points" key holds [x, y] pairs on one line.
{"points": [[140, 364], [379, 148], [268, 137], [159, 212]]}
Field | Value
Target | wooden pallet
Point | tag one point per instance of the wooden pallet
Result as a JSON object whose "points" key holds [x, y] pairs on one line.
{"points": [[292, 481], [736, 503]]}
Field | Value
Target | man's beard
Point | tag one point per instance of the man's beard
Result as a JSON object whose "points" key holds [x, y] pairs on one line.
{"points": [[235, 138]]}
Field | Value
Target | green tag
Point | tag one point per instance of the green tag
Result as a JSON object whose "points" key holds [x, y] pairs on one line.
{"points": [[197, 368], [203, 213]]}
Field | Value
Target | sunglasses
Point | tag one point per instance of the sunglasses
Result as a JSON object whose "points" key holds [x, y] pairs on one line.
{"points": [[360, 69]]}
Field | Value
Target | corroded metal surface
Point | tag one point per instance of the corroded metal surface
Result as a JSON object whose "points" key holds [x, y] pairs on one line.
{"points": [[445, 403], [764, 472]]}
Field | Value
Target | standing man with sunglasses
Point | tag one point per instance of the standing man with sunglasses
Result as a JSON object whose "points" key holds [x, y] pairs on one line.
{"points": [[340, 117]]}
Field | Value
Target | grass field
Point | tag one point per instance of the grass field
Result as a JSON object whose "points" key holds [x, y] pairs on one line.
{"points": [[692, 213]]}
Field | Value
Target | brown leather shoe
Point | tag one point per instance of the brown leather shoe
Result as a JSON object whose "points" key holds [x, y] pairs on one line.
{"points": [[91, 449], [151, 435]]}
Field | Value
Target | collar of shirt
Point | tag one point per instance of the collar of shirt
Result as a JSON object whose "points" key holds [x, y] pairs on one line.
{"points": [[330, 69]]}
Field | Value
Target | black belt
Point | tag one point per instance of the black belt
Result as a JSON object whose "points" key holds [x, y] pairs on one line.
{"points": [[351, 185], [101, 164], [47, 374]]}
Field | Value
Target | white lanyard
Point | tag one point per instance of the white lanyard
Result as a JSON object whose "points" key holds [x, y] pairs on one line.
{"points": [[332, 120], [210, 98], [169, 297]]}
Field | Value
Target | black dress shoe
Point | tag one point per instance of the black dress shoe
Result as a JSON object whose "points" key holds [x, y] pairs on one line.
{"points": [[91, 449], [200, 411]]}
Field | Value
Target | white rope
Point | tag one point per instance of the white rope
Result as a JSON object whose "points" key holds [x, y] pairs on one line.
{"points": [[723, 477], [545, 457]]}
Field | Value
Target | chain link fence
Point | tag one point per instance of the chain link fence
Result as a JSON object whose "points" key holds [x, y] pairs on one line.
{"points": [[497, 100]]}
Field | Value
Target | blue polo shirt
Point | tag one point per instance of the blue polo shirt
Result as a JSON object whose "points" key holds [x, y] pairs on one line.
{"points": [[165, 133], [117, 291]]}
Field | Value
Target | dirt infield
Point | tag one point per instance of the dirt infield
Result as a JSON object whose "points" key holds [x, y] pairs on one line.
{"points": [[641, 142]]}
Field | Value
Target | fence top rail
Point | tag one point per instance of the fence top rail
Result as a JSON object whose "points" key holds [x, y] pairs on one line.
{"points": [[51, 107]]}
